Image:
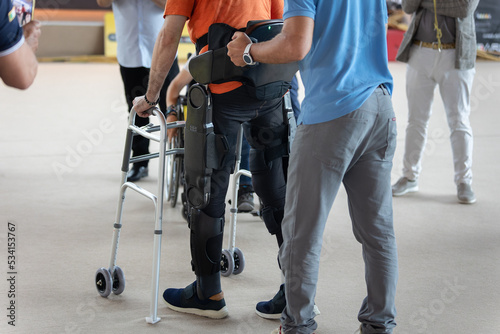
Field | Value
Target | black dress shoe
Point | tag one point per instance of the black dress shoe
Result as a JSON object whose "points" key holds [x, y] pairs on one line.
{"points": [[136, 173]]}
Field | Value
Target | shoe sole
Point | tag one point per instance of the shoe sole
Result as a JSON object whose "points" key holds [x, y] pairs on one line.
{"points": [[212, 314], [245, 208], [461, 201], [138, 177], [276, 316], [406, 191], [273, 316]]}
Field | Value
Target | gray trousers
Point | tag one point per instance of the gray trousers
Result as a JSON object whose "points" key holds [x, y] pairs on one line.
{"points": [[357, 150]]}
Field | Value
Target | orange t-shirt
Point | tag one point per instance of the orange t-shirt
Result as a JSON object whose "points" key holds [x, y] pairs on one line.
{"points": [[236, 13]]}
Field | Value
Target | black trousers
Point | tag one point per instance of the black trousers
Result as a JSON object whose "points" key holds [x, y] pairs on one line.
{"points": [[135, 82], [229, 112]]}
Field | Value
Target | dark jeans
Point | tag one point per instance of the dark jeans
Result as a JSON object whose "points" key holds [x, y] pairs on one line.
{"points": [[135, 82]]}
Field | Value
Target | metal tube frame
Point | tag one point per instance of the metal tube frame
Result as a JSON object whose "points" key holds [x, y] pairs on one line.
{"points": [[157, 199], [233, 211]]}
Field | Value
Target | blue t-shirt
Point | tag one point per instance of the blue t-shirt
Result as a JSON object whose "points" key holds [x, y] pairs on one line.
{"points": [[348, 56], [11, 34]]}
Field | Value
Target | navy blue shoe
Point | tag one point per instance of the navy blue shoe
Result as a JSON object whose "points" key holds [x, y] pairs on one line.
{"points": [[186, 301], [272, 309]]}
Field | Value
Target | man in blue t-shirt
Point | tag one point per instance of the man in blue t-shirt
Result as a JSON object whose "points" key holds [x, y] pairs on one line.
{"points": [[346, 134], [18, 64]]}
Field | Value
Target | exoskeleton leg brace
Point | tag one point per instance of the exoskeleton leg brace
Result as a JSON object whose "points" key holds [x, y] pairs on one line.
{"points": [[204, 151]]}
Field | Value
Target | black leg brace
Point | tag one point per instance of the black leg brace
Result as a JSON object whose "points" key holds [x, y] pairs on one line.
{"points": [[206, 249]]}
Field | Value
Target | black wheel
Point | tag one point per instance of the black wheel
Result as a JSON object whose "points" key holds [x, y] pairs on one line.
{"points": [[226, 263], [103, 282], [239, 261], [118, 281]]}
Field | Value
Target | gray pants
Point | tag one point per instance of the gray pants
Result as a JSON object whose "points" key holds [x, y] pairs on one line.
{"points": [[356, 149]]}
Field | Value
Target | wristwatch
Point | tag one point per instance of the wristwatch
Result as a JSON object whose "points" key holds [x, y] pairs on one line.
{"points": [[172, 110], [247, 58]]}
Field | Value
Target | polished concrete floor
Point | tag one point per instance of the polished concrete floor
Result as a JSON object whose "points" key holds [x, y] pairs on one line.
{"points": [[61, 144]]}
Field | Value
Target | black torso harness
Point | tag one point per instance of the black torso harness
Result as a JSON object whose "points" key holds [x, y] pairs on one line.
{"points": [[264, 81]]}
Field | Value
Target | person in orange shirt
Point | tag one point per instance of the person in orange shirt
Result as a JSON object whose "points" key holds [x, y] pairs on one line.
{"points": [[232, 105]]}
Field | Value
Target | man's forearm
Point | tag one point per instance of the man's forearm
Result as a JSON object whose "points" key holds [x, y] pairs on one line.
{"points": [[163, 58], [292, 44], [177, 84]]}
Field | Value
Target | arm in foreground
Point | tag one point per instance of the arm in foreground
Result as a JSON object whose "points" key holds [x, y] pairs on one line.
{"points": [[18, 69], [291, 44]]}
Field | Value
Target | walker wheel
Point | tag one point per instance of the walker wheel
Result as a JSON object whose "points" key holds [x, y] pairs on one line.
{"points": [[103, 282], [239, 261], [118, 281], [226, 263]]}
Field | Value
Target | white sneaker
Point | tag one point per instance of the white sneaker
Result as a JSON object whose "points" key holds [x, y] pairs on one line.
{"points": [[465, 194], [404, 186]]}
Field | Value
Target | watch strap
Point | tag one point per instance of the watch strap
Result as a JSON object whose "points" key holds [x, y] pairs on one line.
{"points": [[247, 53]]}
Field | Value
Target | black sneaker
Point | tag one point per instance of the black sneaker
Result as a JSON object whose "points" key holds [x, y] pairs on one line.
{"points": [[245, 202], [272, 308], [186, 301], [137, 173]]}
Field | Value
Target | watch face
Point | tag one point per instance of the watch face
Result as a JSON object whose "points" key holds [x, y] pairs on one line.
{"points": [[247, 59]]}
